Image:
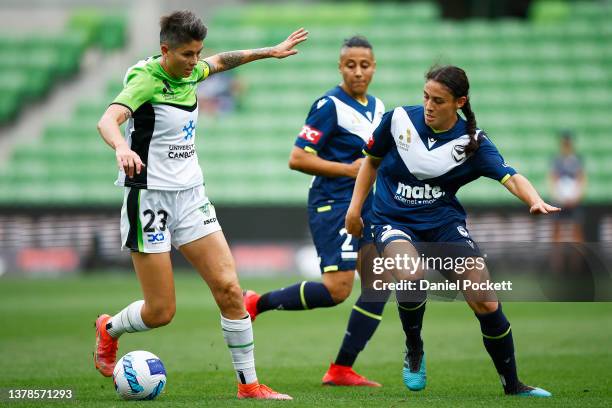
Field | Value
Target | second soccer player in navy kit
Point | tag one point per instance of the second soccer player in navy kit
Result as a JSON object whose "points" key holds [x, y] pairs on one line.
{"points": [[330, 148]]}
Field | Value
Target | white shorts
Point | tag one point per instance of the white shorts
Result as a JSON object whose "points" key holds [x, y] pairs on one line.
{"points": [[151, 220]]}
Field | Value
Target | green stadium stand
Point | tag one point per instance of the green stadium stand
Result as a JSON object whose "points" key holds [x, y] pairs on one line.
{"points": [[530, 79], [31, 64], [106, 30]]}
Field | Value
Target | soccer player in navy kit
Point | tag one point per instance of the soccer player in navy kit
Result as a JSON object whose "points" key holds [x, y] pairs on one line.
{"points": [[330, 148], [420, 156]]}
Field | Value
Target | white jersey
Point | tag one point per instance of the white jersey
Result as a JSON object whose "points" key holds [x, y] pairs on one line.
{"points": [[162, 127]]}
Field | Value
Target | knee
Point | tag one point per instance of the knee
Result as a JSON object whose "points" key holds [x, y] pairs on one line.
{"points": [[228, 294], [339, 290], [159, 315], [483, 307]]}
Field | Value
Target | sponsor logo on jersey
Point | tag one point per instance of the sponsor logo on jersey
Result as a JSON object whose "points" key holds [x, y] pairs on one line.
{"points": [[210, 220], [321, 103], [425, 194], [458, 153], [404, 140], [311, 134], [189, 130], [181, 151], [167, 91], [371, 142], [155, 238]]}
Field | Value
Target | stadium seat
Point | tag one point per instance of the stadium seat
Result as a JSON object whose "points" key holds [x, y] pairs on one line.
{"points": [[530, 79]]}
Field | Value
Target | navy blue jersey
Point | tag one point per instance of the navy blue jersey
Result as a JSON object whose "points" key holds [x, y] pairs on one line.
{"points": [[421, 170], [336, 129]]}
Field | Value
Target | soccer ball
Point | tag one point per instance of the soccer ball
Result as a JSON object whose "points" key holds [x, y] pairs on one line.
{"points": [[139, 375]]}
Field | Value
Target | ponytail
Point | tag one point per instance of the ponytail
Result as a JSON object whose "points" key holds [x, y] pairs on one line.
{"points": [[470, 118]]}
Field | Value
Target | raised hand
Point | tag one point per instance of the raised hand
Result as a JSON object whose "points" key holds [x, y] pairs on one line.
{"points": [[286, 48]]}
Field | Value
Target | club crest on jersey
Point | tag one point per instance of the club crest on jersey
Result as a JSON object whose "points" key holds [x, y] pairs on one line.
{"points": [[311, 134], [462, 231], [458, 153]]}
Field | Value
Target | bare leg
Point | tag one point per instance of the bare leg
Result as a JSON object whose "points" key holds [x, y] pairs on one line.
{"points": [[156, 279], [213, 260]]}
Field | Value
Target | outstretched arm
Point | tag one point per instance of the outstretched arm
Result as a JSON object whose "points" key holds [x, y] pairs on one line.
{"points": [[363, 185], [231, 59], [522, 188]]}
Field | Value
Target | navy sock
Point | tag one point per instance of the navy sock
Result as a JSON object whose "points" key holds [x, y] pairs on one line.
{"points": [[411, 316], [301, 296], [497, 339], [365, 318]]}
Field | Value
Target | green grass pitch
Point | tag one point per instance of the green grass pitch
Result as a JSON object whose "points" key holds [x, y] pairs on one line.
{"points": [[47, 337]]}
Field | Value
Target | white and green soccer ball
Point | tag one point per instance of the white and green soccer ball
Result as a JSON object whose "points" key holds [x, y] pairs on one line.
{"points": [[139, 375]]}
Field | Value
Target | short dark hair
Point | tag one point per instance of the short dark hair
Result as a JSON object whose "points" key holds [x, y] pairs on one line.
{"points": [[356, 41], [180, 27], [566, 135]]}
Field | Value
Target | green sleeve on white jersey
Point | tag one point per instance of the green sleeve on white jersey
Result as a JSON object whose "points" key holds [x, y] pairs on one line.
{"points": [[203, 70], [138, 88]]}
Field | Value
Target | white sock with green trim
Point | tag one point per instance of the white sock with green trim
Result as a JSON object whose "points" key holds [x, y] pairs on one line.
{"points": [[128, 320], [238, 335]]}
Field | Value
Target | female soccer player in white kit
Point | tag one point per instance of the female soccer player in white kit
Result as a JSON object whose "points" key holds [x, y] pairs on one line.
{"points": [[165, 202]]}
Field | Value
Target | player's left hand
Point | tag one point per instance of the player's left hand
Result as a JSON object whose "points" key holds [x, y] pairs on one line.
{"points": [[285, 48], [543, 208], [353, 223]]}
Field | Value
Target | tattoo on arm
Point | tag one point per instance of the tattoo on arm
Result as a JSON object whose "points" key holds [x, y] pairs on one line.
{"points": [[121, 116], [232, 59]]}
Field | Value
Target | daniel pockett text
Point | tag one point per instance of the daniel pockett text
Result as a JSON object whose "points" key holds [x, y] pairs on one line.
{"points": [[403, 266]]}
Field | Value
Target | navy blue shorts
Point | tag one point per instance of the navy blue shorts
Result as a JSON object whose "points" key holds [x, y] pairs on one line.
{"points": [[337, 250], [449, 240]]}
